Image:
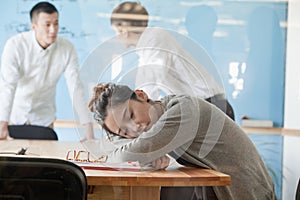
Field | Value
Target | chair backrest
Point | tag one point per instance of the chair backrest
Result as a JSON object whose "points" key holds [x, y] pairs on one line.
{"points": [[41, 178], [32, 132]]}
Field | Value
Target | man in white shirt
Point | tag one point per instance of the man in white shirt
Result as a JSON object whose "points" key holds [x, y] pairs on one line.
{"points": [[31, 65], [165, 67]]}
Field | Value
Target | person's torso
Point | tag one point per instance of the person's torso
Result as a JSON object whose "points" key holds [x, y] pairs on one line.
{"points": [[39, 71], [164, 63]]}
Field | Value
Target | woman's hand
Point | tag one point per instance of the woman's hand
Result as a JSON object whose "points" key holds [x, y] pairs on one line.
{"points": [[161, 163]]}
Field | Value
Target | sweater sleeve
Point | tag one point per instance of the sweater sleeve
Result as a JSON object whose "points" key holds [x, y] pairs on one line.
{"points": [[176, 127]]}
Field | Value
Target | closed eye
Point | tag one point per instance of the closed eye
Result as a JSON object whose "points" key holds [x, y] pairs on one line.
{"points": [[122, 132], [132, 116]]}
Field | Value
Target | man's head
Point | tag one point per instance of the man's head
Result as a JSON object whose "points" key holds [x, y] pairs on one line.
{"points": [[44, 22], [129, 19]]}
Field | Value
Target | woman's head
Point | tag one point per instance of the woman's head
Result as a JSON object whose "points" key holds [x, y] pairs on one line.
{"points": [[106, 95], [122, 111]]}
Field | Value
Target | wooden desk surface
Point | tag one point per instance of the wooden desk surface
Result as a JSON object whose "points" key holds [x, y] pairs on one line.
{"points": [[174, 175], [181, 176]]}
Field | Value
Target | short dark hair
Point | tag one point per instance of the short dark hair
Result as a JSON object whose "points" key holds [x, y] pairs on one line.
{"points": [[43, 6], [131, 12]]}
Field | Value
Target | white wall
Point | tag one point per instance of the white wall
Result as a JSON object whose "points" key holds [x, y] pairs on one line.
{"points": [[291, 167], [292, 89], [291, 159]]}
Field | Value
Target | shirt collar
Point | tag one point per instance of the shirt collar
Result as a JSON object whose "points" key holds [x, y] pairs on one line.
{"points": [[37, 46]]}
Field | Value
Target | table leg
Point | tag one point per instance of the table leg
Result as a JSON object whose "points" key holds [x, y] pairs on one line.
{"points": [[145, 193]]}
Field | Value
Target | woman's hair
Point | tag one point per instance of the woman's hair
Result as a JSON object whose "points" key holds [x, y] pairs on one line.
{"points": [[130, 13], [108, 95], [43, 6]]}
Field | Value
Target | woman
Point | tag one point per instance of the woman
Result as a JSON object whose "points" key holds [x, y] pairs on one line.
{"points": [[192, 131]]}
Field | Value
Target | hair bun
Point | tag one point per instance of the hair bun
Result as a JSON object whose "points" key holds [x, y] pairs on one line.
{"points": [[98, 89]]}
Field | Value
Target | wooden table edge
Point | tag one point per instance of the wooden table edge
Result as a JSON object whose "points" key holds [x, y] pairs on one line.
{"points": [[132, 179]]}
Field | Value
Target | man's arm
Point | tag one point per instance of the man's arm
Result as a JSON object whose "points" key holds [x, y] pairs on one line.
{"points": [[76, 92], [9, 77], [4, 134], [88, 133]]}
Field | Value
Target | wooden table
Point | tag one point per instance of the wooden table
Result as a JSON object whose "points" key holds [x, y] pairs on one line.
{"points": [[121, 185]]}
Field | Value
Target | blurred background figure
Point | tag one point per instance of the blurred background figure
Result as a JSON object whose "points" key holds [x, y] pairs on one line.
{"points": [[164, 66], [31, 65], [200, 23], [264, 67]]}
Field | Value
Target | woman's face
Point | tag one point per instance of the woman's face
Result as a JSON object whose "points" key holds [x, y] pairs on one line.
{"points": [[132, 118]]}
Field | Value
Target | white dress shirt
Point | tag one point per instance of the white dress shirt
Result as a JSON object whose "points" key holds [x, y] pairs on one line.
{"points": [[165, 67], [29, 75]]}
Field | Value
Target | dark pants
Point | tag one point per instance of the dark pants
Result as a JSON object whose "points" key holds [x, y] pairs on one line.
{"points": [[298, 191], [221, 102], [187, 193]]}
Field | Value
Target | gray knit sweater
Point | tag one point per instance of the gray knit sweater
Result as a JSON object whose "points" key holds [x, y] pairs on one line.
{"points": [[198, 133]]}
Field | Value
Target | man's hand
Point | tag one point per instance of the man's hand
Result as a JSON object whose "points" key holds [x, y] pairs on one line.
{"points": [[4, 134], [161, 163], [88, 133]]}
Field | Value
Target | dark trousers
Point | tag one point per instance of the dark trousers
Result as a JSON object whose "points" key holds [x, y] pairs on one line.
{"points": [[298, 191], [187, 193], [221, 102]]}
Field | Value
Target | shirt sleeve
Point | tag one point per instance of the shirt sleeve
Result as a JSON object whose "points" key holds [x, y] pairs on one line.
{"points": [[75, 87], [10, 74], [152, 65], [151, 71], [168, 67], [176, 128], [161, 70]]}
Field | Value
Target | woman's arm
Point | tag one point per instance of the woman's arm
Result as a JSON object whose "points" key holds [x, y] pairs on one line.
{"points": [[175, 128]]}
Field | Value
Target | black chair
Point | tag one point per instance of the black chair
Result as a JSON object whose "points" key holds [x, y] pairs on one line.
{"points": [[23, 178], [32, 132]]}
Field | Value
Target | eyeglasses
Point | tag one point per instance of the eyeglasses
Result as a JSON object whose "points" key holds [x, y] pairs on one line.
{"points": [[84, 156]]}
